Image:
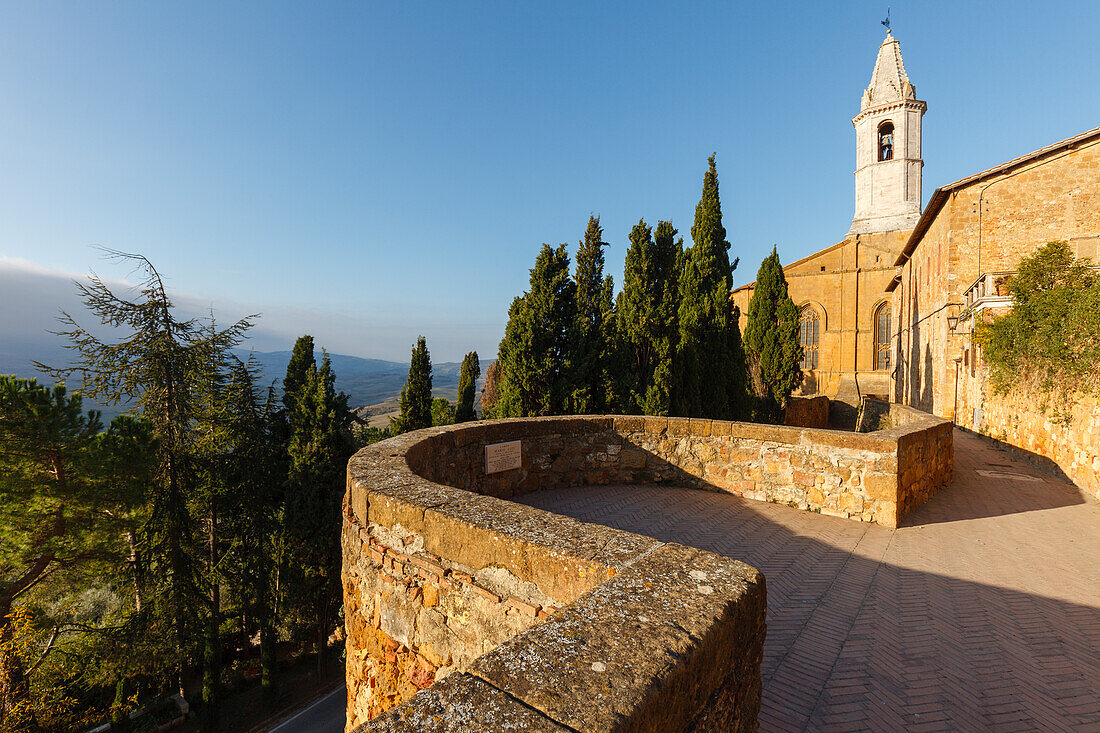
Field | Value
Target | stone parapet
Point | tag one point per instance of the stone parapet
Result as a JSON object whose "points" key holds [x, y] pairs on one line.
{"points": [[505, 615]]}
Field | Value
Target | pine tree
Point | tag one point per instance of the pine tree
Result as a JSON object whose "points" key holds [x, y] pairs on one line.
{"points": [[591, 352], [254, 475], [771, 340], [50, 515], [467, 385], [538, 340], [211, 450], [159, 366], [647, 318], [416, 395], [710, 371]]}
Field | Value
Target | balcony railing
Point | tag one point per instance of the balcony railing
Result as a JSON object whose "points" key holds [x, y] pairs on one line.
{"points": [[988, 291]]}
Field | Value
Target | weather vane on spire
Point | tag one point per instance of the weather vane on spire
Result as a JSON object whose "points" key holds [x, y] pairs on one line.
{"points": [[887, 21]]}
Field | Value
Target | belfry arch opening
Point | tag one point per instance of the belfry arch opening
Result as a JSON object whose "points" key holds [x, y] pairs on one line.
{"points": [[886, 141]]}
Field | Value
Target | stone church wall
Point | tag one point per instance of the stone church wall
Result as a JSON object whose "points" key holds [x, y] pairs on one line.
{"points": [[988, 225], [501, 615], [844, 284]]}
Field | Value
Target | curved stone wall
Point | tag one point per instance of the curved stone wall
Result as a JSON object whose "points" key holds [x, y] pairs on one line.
{"points": [[506, 615]]}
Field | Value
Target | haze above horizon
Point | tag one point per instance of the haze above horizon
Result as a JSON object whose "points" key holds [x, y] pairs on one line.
{"points": [[368, 174]]}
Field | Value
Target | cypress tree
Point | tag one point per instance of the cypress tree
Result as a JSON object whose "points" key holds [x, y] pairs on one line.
{"points": [[319, 449], [416, 395], [590, 358], [771, 340], [534, 353], [647, 318], [443, 412], [297, 371], [710, 370], [254, 498], [467, 385], [490, 393]]}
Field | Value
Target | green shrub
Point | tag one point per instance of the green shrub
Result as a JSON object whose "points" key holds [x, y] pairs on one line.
{"points": [[1050, 340]]}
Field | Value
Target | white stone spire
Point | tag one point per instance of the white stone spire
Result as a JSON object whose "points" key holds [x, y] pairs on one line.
{"points": [[889, 82], [888, 147]]}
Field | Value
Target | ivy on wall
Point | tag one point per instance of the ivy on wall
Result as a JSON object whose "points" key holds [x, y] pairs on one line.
{"points": [[1050, 340]]}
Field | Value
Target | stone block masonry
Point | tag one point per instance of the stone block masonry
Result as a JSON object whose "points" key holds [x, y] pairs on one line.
{"points": [[501, 615], [1067, 444]]}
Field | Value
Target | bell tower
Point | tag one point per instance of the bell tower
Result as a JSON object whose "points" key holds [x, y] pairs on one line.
{"points": [[888, 148]]}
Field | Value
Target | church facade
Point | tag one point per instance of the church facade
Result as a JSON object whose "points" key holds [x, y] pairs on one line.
{"points": [[890, 311], [841, 290]]}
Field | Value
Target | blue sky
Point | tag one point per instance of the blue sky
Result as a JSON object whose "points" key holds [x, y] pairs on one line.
{"points": [[369, 171]]}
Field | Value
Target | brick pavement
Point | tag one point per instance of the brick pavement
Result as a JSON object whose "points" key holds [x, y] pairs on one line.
{"points": [[981, 613]]}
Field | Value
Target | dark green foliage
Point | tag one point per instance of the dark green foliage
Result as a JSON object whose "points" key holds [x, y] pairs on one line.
{"points": [[467, 386], [1050, 341], [49, 520], [161, 366], [211, 519], [67, 498], [710, 369], [535, 352], [647, 318], [301, 364], [254, 473], [320, 445], [416, 396], [443, 412], [593, 334], [364, 435], [771, 340]]}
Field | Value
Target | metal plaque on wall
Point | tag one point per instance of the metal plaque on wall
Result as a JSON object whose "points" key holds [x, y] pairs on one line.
{"points": [[503, 456]]}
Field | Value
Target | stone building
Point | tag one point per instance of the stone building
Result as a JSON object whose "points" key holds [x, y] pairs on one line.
{"points": [[889, 311], [846, 311], [952, 271]]}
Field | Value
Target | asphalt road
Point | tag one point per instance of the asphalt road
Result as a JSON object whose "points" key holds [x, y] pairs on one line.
{"points": [[327, 715]]}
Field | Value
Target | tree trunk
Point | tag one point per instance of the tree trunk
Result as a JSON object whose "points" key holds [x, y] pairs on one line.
{"points": [[15, 696], [120, 719], [211, 672], [322, 638], [135, 569], [267, 661], [265, 619]]}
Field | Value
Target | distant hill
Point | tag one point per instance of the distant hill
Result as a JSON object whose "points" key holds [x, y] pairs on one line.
{"points": [[365, 381]]}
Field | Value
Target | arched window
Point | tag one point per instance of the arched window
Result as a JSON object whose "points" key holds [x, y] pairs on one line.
{"points": [[882, 336], [808, 324], [886, 141]]}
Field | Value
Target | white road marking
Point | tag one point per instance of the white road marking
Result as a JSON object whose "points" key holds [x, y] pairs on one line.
{"points": [[300, 713]]}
